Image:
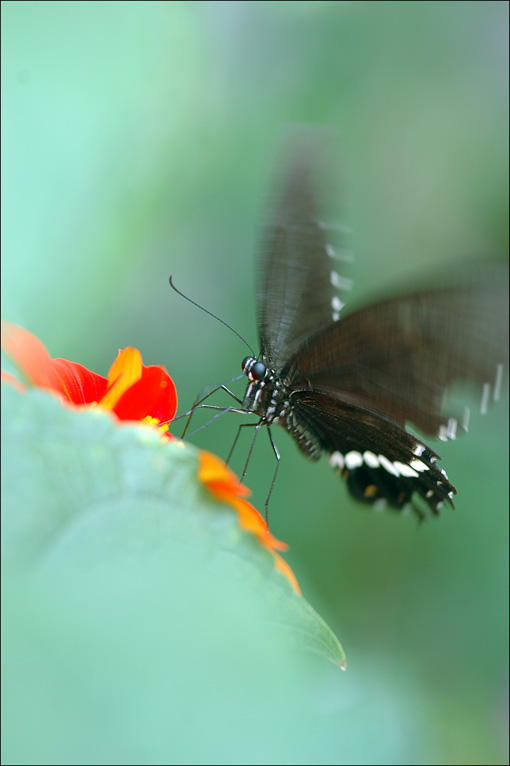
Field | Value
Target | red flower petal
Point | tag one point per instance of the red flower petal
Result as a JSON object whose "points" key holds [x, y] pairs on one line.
{"points": [[153, 395], [78, 384], [124, 372], [29, 356], [131, 391]]}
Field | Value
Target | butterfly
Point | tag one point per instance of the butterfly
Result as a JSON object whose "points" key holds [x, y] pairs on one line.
{"points": [[350, 385]]}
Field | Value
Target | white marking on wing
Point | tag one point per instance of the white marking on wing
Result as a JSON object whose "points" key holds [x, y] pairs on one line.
{"points": [[418, 466], [497, 382], [443, 433], [353, 459], [341, 283], [337, 306], [388, 465], [336, 460], [370, 459], [405, 470], [486, 392]]}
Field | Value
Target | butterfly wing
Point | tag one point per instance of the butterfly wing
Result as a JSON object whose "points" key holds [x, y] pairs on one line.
{"points": [[357, 383], [400, 357], [381, 461], [296, 284]]}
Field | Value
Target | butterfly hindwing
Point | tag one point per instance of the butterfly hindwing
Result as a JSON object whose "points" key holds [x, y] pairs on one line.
{"points": [[381, 461]]}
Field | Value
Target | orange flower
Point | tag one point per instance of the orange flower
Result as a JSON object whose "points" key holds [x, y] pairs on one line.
{"points": [[224, 485], [131, 391]]}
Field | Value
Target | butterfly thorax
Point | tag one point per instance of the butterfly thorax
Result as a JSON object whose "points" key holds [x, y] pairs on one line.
{"points": [[268, 396]]}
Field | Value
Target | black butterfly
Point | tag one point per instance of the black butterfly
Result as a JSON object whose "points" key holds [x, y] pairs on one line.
{"points": [[348, 386]]}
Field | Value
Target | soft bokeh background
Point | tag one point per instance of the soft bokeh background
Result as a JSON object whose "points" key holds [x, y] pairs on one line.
{"points": [[137, 142]]}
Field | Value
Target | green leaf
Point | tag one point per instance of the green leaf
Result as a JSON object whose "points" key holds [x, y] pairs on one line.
{"points": [[83, 494]]}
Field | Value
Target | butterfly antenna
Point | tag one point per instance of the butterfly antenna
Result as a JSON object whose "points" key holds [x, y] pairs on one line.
{"points": [[210, 314]]}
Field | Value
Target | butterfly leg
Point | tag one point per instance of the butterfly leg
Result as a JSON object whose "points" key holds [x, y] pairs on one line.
{"points": [[245, 425], [257, 427], [238, 434], [198, 403], [277, 456], [222, 411]]}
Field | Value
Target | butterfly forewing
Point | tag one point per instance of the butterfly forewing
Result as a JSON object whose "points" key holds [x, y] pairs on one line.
{"points": [[297, 264], [400, 356]]}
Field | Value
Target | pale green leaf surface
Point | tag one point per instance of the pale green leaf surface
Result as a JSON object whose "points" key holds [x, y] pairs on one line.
{"points": [[136, 611], [82, 493]]}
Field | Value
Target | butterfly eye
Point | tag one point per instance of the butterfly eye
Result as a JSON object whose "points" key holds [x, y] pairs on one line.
{"points": [[254, 370], [258, 371]]}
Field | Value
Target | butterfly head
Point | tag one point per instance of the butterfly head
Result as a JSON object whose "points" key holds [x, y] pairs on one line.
{"points": [[254, 371], [264, 393]]}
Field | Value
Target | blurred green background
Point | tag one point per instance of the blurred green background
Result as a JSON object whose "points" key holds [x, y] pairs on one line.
{"points": [[137, 142]]}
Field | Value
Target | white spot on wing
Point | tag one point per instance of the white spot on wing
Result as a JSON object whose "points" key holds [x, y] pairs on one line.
{"points": [[486, 392], [337, 306], [405, 470], [443, 433], [341, 283], [379, 504], [353, 459], [418, 465], [336, 460], [388, 465], [370, 459], [448, 431], [497, 382], [419, 450]]}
